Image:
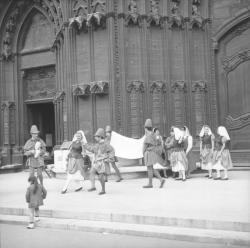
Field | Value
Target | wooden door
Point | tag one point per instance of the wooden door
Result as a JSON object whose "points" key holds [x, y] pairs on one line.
{"points": [[233, 78]]}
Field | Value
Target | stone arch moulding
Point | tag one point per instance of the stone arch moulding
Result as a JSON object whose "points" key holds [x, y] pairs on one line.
{"points": [[228, 25], [41, 7]]}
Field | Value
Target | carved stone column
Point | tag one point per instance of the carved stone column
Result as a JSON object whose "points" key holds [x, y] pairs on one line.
{"points": [[158, 90], [199, 88], [135, 90], [179, 89], [59, 119], [8, 130]]}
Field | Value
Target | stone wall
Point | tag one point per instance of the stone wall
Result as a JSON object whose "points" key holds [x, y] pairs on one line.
{"points": [[224, 10]]}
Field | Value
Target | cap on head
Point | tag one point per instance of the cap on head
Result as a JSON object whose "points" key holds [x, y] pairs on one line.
{"points": [[148, 123], [108, 129], [100, 133], [34, 129]]}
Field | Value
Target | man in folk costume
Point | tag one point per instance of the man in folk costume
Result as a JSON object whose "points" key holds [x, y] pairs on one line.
{"points": [[35, 149], [77, 169], [103, 155], [206, 149], [152, 154], [222, 158], [108, 132]]}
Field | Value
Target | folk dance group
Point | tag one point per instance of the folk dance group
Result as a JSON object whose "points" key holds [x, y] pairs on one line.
{"points": [[176, 150]]}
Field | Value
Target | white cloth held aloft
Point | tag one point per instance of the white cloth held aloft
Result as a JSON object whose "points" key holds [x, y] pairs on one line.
{"points": [[126, 147]]}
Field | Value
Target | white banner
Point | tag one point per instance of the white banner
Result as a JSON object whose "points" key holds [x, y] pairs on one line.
{"points": [[126, 147]]}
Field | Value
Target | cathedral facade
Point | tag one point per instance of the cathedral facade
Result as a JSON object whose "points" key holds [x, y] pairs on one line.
{"points": [[82, 64]]}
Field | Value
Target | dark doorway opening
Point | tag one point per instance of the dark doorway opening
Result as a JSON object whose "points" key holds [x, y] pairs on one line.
{"points": [[42, 115]]}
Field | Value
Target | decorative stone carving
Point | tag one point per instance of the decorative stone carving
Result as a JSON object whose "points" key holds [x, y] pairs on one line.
{"points": [[176, 19], [239, 122], [136, 85], [97, 17], [83, 18], [199, 86], [81, 90], [59, 96], [178, 86], [157, 86], [99, 87], [196, 20], [230, 63], [154, 17], [133, 16]]}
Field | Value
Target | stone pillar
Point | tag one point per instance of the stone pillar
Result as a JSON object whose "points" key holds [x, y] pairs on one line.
{"points": [[58, 105], [178, 88], [8, 130], [199, 89]]}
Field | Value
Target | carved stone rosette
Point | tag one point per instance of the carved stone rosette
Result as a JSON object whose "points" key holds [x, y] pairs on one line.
{"points": [[199, 86]]}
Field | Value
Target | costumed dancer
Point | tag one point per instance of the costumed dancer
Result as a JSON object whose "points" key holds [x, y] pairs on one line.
{"points": [[108, 132], [35, 149], [221, 157], [160, 142], [77, 169], [103, 155], [206, 149], [178, 156], [169, 144], [34, 197], [152, 154], [188, 145]]}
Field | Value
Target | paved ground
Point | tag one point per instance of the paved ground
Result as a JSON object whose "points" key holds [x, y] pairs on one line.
{"points": [[18, 236], [197, 198]]}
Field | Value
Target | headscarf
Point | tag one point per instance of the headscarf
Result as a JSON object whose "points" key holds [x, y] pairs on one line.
{"points": [[186, 132], [202, 132], [178, 134], [83, 140], [222, 131]]}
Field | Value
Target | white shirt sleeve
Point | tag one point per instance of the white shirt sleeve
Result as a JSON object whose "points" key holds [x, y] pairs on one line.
{"points": [[190, 144]]}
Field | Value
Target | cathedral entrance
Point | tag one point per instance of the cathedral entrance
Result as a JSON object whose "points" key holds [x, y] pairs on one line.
{"points": [[42, 115]]}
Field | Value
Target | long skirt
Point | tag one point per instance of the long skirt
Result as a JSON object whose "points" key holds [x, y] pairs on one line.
{"points": [[206, 158], [178, 161], [223, 162], [191, 161]]}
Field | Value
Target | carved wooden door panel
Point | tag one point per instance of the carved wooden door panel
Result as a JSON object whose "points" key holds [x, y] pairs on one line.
{"points": [[234, 85]]}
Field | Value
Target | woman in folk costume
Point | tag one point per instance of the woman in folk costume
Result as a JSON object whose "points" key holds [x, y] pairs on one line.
{"points": [[152, 154], [188, 145], [221, 157], [206, 149], [178, 156], [103, 155], [35, 149], [169, 144], [108, 132], [77, 170]]}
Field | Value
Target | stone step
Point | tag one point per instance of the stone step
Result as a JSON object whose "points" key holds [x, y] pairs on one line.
{"points": [[134, 219], [156, 231]]}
